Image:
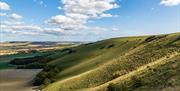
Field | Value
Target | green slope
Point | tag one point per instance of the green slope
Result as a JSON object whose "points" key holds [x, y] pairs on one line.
{"points": [[5, 59], [96, 65]]}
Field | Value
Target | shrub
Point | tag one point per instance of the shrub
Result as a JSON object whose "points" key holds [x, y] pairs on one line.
{"points": [[25, 61], [149, 68], [88, 44], [102, 47], [32, 66], [47, 81], [110, 46], [47, 67], [39, 78], [111, 87], [149, 39], [69, 50], [47, 75], [118, 73], [137, 82]]}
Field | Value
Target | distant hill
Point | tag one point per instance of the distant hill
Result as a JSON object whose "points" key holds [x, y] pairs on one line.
{"points": [[140, 63], [15, 47], [42, 43]]}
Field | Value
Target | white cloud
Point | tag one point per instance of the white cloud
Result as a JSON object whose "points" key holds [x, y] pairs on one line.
{"points": [[40, 2], [26, 27], [69, 22], [59, 7], [3, 14], [11, 23], [78, 12], [4, 6], [20, 28], [15, 16], [17, 27], [106, 15], [88, 7], [76, 15], [170, 2]]}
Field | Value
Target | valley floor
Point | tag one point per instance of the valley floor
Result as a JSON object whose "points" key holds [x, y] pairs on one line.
{"points": [[17, 79]]}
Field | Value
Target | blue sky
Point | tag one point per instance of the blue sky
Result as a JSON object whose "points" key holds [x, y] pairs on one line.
{"points": [[86, 20]]}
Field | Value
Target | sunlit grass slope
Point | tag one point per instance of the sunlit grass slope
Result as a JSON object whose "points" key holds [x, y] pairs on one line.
{"points": [[126, 63]]}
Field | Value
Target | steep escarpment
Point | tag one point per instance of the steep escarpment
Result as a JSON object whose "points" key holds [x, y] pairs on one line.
{"points": [[119, 63]]}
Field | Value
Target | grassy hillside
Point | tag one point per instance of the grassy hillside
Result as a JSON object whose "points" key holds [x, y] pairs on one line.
{"points": [[119, 64], [162, 75]]}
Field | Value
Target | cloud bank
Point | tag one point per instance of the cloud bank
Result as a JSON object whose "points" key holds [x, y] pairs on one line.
{"points": [[170, 2], [78, 12], [15, 16]]}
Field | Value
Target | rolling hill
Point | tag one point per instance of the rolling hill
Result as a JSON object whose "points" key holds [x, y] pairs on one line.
{"points": [[139, 63], [19, 47]]}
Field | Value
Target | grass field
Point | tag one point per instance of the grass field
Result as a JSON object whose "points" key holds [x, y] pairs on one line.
{"points": [[5, 65]]}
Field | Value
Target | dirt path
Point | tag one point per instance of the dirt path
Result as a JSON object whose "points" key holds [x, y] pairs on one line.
{"points": [[17, 79]]}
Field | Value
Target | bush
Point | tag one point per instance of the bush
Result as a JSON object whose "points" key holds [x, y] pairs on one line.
{"points": [[149, 39], [137, 82], [110, 46], [39, 79], [32, 66], [25, 61], [46, 76], [102, 47], [88, 44], [69, 50], [111, 87], [118, 73], [47, 81]]}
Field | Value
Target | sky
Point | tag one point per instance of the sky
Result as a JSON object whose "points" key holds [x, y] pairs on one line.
{"points": [[86, 20]]}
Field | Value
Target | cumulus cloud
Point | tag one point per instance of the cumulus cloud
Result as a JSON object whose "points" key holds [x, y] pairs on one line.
{"points": [[41, 3], [59, 7], [4, 6], [106, 15], [17, 27], [15, 16], [170, 2], [78, 12], [76, 15], [21, 28], [3, 14], [88, 7]]}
